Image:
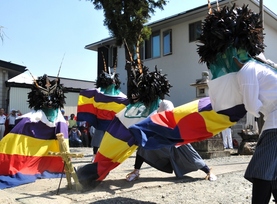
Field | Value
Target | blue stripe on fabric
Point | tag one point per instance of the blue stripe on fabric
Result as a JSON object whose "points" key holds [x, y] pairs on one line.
{"points": [[20, 179], [99, 97], [39, 130], [91, 119], [153, 136], [119, 131]]}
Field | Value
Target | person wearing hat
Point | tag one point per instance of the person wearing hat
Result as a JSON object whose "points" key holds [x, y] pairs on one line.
{"points": [[74, 137], [231, 44], [12, 117]]}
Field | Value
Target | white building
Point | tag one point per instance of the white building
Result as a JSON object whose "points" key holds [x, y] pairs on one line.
{"points": [[173, 48], [19, 86]]}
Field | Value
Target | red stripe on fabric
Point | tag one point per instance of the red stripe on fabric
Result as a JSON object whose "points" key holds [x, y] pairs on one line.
{"points": [[105, 114], [104, 165], [89, 108], [165, 119], [12, 164], [100, 113], [193, 128]]}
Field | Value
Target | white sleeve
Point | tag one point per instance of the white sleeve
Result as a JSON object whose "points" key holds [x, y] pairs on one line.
{"points": [[249, 87], [223, 92]]}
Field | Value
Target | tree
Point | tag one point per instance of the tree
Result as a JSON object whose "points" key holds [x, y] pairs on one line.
{"points": [[126, 21]]}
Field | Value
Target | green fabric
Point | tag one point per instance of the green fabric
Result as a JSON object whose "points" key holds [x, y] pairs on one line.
{"points": [[138, 109], [225, 64], [110, 90], [51, 114]]}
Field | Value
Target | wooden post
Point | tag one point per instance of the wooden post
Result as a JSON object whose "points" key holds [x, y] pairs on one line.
{"points": [[66, 157]]}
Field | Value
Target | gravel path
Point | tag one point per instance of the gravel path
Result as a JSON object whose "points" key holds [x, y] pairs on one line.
{"points": [[230, 188], [152, 187]]}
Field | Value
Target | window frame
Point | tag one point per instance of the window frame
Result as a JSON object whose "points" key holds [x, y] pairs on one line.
{"points": [[167, 33], [151, 45], [195, 31]]}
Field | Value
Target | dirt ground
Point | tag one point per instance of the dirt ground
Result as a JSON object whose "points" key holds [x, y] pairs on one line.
{"points": [[153, 186]]}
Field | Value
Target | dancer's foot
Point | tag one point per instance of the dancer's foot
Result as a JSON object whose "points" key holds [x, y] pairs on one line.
{"points": [[210, 176], [134, 175]]}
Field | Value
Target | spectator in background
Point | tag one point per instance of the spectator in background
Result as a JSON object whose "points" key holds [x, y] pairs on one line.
{"points": [[227, 138], [91, 133], [71, 122], [2, 122], [75, 137], [12, 117], [83, 127]]}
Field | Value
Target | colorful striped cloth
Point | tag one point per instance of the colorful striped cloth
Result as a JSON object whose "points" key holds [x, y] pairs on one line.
{"points": [[117, 144], [24, 151], [99, 109], [191, 122]]}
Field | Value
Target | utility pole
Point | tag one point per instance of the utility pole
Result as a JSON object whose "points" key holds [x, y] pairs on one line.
{"points": [[262, 12], [260, 120]]}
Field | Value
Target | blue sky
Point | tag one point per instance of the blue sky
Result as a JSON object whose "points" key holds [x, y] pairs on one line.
{"points": [[39, 33]]}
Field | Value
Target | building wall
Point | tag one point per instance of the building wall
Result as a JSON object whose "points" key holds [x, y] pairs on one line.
{"points": [[71, 103], [19, 98], [270, 42], [3, 90], [182, 67]]}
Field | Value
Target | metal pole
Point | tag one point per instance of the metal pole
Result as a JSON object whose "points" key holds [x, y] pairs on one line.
{"points": [[262, 12], [261, 118]]}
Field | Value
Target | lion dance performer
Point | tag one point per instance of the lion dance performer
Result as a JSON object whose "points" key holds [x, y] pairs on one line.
{"points": [[146, 89], [232, 47], [24, 151], [98, 106]]}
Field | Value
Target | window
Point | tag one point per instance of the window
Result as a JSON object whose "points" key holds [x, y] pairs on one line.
{"points": [[167, 46], [153, 46], [201, 91], [147, 49], [194, 31], [156, 45]]}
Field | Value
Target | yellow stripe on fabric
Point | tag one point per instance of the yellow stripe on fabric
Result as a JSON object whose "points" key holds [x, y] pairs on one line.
{"points": [[115, 149], [28, 146], [184, 110], [215, 122], [82, 100], [110, 106]]}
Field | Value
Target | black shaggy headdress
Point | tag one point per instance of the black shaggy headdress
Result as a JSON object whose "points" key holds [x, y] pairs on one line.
{"points": [[238, 27], [46, 94], [146, 86], [105, 79]]}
